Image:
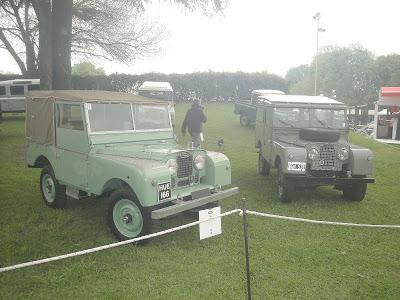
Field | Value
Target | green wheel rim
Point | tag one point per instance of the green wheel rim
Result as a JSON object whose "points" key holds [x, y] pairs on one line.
{"points": [[127, 218], [48, 188]]}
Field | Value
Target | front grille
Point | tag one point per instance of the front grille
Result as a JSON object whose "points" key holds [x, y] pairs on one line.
{"points": [[327, 159], [327, 155], [184, 182], [185, 164]]}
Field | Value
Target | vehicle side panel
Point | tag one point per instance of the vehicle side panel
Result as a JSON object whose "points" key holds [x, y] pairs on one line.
{"points": [[360, 161], [218, 169]]}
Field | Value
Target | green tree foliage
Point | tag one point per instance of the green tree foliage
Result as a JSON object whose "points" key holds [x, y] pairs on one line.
{"points": [[387, 69], [85, 69], [350, 74], [296, 74]]}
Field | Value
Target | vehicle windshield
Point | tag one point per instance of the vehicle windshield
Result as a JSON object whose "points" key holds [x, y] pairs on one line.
{"points": [[117, 117], [309, 117]]}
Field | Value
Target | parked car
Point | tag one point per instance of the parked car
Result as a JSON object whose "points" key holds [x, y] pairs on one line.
{"points": [[97, 143], [246, 109], [159, 90], [12, 94], [306, 139]]}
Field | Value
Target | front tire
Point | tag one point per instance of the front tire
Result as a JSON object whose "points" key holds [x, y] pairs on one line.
{"points": [[263, 165], [355, 192], [53, 193], [126, 216], [284, 190], [244, 120]]}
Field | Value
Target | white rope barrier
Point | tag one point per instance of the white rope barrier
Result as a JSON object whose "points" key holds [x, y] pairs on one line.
{"points": [[318, 221], [149, 236], [113, 245]]}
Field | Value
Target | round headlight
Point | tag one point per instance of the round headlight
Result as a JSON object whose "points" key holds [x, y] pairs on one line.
{"points": [[313, 154], [343, 154], [199, 162], [172, 166]]}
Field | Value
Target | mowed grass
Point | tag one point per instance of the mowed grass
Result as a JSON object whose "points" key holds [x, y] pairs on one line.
{"points": [[288, 259]]}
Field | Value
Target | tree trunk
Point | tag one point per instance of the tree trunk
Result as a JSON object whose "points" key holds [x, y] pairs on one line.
{"points": [[44, 14], [31, 67], [61, 42]]}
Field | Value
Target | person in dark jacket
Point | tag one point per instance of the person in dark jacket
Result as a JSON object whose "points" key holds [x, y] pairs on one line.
{"points": [[193, 122]]}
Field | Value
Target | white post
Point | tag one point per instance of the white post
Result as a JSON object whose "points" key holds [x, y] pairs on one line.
{"points": [[376, 121]]}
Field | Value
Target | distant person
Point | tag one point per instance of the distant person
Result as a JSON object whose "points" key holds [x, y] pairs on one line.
{"points": [[193, 122]]}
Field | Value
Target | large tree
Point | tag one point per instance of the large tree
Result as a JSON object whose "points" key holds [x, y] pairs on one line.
{"points": [[111, 29], [345, 73]]}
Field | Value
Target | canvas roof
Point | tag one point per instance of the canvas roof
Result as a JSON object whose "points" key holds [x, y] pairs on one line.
{"points": [[298, 99], [92, 95], [40, 108]]}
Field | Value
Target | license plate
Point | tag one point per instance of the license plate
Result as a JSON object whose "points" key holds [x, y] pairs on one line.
{"points": [[296, 166], [164, 191]]}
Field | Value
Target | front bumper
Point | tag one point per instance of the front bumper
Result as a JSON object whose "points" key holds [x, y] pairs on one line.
{"points": [[180, 206], [311, 180]]}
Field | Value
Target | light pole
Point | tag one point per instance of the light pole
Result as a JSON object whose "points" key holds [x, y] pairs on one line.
{"points": [[316, 17]]}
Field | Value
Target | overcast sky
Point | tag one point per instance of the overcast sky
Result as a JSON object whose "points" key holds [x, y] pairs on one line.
{"points": [[260, 35]]}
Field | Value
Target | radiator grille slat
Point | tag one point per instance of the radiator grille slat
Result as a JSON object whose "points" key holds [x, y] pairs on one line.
{"points": [[185, 164], [327, 159]]}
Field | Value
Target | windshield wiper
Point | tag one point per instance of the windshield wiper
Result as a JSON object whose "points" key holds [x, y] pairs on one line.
{"points": [[322, 123], [285, 123]]}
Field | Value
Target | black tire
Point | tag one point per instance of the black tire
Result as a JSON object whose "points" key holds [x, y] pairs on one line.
{"points": [[53, 193], [283, 189], [126, 217], [244, 120], [263, 165], [355, 192]]}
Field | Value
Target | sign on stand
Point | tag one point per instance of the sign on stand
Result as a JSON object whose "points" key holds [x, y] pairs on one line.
{"points": [[211, 227]]}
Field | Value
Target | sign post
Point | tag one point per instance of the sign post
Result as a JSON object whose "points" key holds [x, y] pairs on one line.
{"points": [[246, 248]]}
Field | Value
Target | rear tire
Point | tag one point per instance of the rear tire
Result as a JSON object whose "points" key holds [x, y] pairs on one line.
{"points": [[355, 192], [244, 120], [127, 218], [263, 165], [53, 193], [284, 190]]}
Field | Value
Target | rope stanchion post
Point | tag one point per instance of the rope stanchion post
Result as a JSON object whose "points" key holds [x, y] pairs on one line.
{"points": [[246, 247]]}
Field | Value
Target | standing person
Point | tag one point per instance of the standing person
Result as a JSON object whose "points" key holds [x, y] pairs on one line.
{"points": [[193, 122]]}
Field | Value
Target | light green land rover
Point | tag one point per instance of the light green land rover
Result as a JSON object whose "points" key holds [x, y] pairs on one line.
{"points": [[93, 143]]}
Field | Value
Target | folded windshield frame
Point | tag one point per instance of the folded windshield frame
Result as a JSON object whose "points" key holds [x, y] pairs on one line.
{"points": [[310, 117], [133, 129]]}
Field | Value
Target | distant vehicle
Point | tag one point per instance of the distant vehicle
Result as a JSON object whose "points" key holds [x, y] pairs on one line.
{"points": [[92, 143], [12, 94], [159, 90], [247, 108], [306, 139]]}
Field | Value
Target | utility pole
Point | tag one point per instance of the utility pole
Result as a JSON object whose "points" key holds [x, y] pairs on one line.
{"points": [[316, 17]]}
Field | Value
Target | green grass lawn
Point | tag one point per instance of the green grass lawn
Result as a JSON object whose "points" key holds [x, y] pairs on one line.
{"points": [[288, 260]]}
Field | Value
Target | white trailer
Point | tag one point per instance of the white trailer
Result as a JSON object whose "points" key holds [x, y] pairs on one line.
{"points": [[12, 94]]}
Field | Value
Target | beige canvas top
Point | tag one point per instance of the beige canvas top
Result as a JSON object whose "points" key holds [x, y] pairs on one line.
{"points": [[92, 95], [40, 108]]}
